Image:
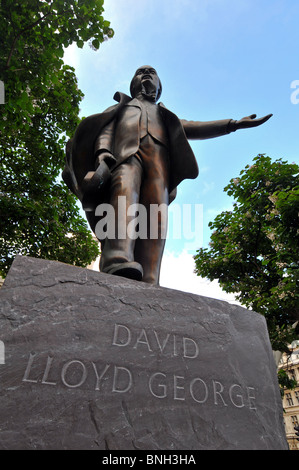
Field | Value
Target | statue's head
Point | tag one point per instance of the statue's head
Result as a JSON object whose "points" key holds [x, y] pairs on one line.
{"points": [[146, 78]]}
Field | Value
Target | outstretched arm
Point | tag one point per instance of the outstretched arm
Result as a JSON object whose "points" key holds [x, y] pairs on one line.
{"points": [[209, 129]]}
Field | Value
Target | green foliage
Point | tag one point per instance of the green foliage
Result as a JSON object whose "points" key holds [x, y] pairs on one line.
{"points": [[285, 382], [45, 226], [33, 35], [39, 217], [254, 248], [281, 337]]}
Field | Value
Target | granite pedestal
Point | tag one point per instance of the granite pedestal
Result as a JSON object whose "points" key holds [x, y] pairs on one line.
{"points": [[94, 361]]}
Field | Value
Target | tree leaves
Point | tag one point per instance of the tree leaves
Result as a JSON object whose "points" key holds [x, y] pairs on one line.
{"points": [[254, 249], [39, 216]]}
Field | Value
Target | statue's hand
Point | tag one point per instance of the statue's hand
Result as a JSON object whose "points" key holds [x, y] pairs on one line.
{"points": [[93, 182], [105, 157], [251, 121]]}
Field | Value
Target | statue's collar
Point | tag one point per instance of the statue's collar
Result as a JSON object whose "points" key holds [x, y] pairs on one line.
{"points": [[122, 98]]}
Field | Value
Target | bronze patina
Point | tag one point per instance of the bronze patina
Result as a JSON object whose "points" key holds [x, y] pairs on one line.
{"points": [[136, 151]]}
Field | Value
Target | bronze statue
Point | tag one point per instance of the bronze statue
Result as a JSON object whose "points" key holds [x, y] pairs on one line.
{"points": [[137, 150]]}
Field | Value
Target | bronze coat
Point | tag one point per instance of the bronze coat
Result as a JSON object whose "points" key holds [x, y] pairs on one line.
{"points": [[183, 165]]}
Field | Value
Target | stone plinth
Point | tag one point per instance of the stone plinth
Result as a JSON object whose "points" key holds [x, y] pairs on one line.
{"points": [[94, 361]]}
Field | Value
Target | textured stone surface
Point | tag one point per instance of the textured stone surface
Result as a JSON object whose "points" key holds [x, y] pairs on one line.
{"points": [[94, 361]]}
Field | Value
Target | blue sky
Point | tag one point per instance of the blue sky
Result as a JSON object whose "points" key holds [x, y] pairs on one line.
{"points": [[216, 59]]}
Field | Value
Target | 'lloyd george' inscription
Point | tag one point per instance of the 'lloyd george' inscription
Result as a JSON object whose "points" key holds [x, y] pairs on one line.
{"points": [[105, 377]]}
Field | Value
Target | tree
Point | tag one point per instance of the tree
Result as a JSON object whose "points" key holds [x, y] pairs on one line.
{"points": [[254, 248], [39, 216]]}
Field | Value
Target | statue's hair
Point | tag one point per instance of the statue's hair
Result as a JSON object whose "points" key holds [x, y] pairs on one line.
{"points": [[132, 91]]}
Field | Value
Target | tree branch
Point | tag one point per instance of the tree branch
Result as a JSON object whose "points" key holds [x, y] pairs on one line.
{"points": [[17, 37]]}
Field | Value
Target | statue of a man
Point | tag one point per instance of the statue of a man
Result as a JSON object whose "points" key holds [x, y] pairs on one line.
{"points": [[136, 151]]}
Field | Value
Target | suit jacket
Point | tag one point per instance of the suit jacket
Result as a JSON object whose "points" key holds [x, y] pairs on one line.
{"points": [[101, 127], [122, 136]]}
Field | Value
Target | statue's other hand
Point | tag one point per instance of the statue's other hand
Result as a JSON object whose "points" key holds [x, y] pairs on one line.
{"points": [[251, 121]]}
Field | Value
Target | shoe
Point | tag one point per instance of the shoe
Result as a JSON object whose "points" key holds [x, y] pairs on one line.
{"points": [[131, 270]]}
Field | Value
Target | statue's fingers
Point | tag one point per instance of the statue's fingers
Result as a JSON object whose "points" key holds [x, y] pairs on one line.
{"points": [[268, 116], [265, 118]]}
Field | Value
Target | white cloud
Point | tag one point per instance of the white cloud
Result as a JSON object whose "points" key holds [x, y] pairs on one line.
{"points": [[72, 56], [177, 272]]}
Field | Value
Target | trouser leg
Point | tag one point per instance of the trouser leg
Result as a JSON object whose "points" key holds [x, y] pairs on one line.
{"points": [[124, 191], [142, 179], [154, 197], [149, 251]]}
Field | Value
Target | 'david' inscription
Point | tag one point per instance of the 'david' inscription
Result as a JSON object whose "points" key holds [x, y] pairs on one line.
{"points": [[151, 341]]}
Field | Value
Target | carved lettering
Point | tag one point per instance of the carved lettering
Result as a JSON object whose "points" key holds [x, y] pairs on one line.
{"points": [[119, 331], [47, 370], [198, 398], [28, 369], [176, 387], [116, 380], [251, 396], [169, 344], [218, 392], [119, 379], [161, 387], [190, 348], [240, 398], [99, 377], [144, 341], [175, 349], [161, 347], [64, 372]]}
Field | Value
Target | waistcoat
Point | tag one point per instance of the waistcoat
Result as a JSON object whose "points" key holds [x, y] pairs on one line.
{"points": [[151, 122]]}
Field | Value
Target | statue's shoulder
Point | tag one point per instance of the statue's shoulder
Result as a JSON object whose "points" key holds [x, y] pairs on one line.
{"points": [[169, 115], [162, 105], [121, 99]]}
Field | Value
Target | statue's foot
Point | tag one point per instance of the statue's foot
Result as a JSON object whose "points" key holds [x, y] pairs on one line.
{"points": [[131, 270]]}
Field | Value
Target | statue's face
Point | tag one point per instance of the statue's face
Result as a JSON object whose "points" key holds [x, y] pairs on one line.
{"points": [[144, 74]]}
